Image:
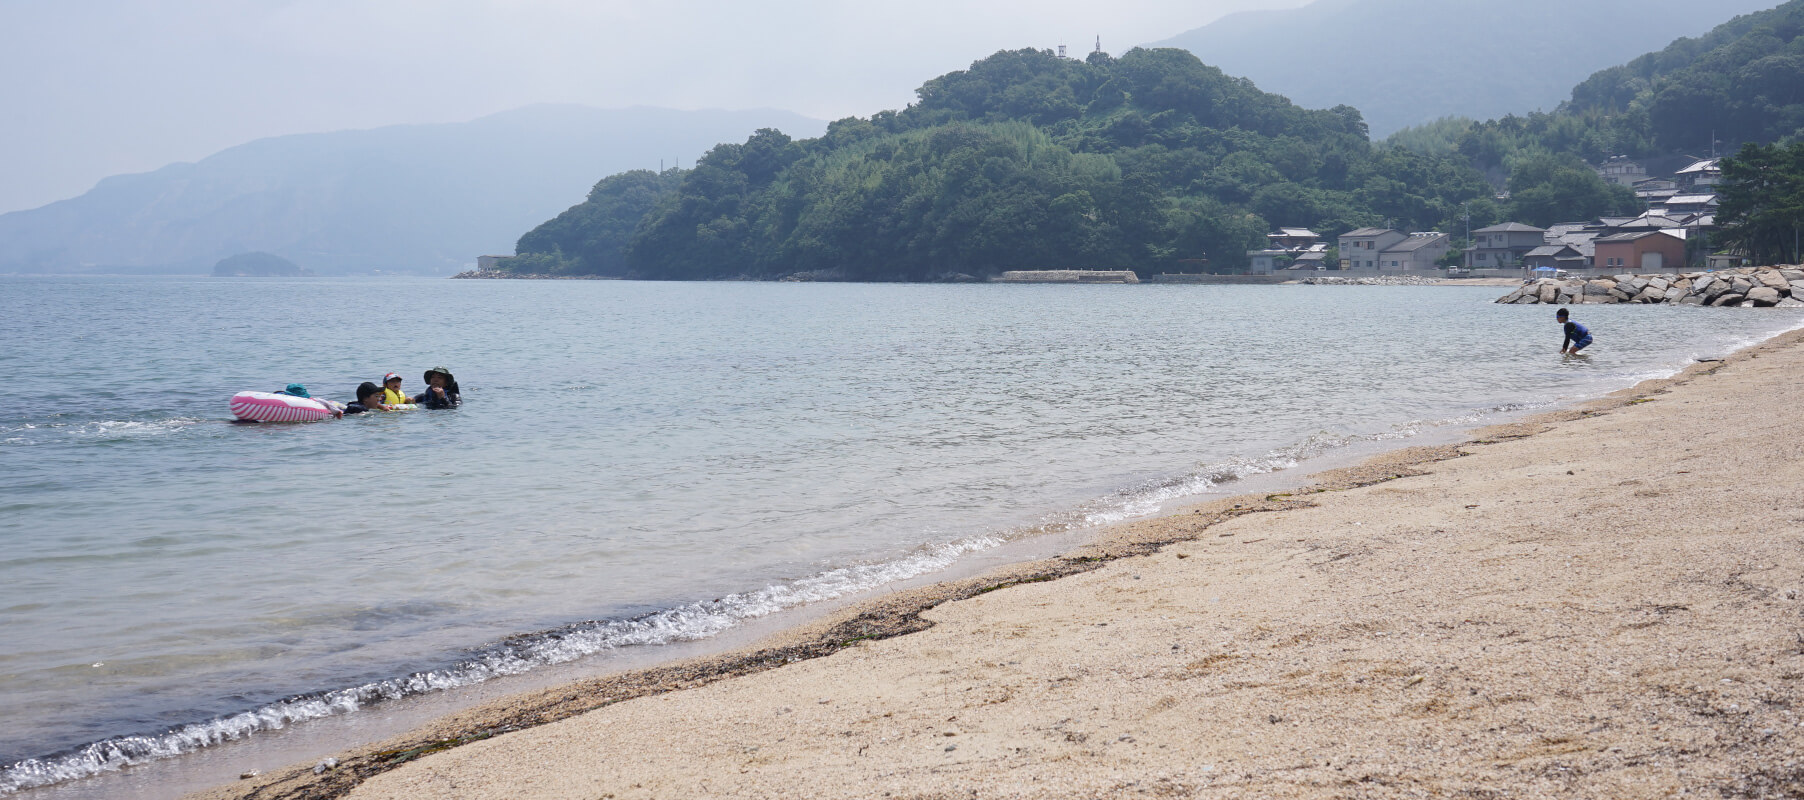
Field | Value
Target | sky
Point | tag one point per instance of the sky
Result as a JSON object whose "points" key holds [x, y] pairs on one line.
{"points": [[91, 88]]}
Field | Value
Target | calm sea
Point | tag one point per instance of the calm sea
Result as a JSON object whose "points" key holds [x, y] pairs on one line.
{"points": [[640, 463]]}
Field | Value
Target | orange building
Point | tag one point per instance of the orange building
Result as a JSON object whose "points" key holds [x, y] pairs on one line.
{"points": [[1646, 251]]}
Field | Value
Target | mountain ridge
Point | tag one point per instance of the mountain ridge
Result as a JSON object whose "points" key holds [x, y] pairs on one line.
{"points": [[1318, 55], [418, 197]]}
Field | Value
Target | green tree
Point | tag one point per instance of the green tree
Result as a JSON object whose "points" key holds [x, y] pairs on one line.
{"points": [[1762, 192]]}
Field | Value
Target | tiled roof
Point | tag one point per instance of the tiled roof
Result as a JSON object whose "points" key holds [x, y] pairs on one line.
{"points": [[1510, 227], [1414, 243], [1363, 232]]}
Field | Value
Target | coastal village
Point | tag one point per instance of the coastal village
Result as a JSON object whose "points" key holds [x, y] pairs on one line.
{"points": [[1673, 233]]}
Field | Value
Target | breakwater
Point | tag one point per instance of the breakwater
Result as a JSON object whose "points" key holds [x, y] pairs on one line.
{"points": [[1743, 286]]}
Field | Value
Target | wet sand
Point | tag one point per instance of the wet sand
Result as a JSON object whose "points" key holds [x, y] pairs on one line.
{"points": [[1606, 601]]}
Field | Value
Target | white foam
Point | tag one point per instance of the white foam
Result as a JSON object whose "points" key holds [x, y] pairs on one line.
{"points": [[513, 656]]}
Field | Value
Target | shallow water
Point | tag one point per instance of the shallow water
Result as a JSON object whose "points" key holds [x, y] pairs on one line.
{"points": [[640, 463]]}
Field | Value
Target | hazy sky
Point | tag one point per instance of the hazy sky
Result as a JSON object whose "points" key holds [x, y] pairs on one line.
{"points": [[92, 88]]}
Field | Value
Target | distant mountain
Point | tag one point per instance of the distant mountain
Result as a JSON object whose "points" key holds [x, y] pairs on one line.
{"points": [[414, 198], [1408, 62]]}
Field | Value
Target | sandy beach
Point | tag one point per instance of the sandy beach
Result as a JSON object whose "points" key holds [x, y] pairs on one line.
{"points": [[1604, 601]]}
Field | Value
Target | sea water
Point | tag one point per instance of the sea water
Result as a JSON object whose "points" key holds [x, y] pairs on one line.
{"points": [[638, 464]]}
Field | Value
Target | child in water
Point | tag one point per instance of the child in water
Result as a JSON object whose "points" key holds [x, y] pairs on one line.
{"points": [[369, 398], [1578, 336], [391, 391]]}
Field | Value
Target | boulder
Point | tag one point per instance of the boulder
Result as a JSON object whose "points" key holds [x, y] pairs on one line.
{"points": [[1713, 290], [1512, 296], [1599, 287], [1764, 296], [1528, 299], [1635, 286], [1620, 295], [1672, 295], [1789, 303], [1792, 275], [1728, 299], [1741, 285], [1622, 278], [1797, 289], [1772, 279], [1550, 292], [1691, 300], [1600, 298], [1650, 295], [1660, 283], [1702, 284]]}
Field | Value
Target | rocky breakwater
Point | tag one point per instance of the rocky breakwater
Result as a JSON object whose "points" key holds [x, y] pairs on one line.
{"points": [[1745, 286]]}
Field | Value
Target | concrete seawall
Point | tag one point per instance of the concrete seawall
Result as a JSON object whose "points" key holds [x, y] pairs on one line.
{"points": [[1068, 276]]}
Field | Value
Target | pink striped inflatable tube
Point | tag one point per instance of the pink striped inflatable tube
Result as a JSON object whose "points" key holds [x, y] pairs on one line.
{"points": [[271, 407]]}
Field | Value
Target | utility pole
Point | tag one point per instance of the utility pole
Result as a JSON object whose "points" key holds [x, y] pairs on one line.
{"points": [[1467, 207]]}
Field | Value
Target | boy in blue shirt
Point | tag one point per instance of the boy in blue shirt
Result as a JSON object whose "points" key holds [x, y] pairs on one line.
{"points": [[1576, 335]]}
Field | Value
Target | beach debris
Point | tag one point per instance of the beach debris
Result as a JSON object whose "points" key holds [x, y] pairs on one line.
{"points": [[1763, 287], [245, 776], [321, 767]]}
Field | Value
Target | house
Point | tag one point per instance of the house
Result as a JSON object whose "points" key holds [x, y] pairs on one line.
{"points": [[1655, 190], [1265, 262], [1315, 258], [1645, 251], [1421, 251], [1701, 175], [1292, 239], [1688, 204], [1359, 248], [1622, 172], [1283, 249], [1556, 256], [1503, 246]]}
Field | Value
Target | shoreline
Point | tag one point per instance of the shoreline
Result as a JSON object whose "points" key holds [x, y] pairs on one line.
{"points": [[893, 617]]}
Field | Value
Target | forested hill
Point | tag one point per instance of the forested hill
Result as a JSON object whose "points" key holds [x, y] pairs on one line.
{"points": [[1024, 160], [1741, 82]]}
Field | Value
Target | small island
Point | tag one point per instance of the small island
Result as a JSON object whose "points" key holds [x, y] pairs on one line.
{"points": [[258, 265]]}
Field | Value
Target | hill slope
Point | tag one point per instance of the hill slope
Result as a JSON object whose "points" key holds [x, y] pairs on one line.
{"points": [[1408, 62], [1150, 161], [422, 198]]}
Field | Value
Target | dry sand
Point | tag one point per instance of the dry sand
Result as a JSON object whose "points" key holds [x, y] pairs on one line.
{"points": [[1604, 602]]}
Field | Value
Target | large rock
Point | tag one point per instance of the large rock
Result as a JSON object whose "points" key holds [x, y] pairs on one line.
{"points": [[1599, 287], [1789, 303], [1512, 296], [1772, 279], [1660, 283], [1674, 294], [1527, 299], [1650, 295], [1712, 290], [1728, 299], [1691, 300], [1741, 285], [1764, 296], [1635, 286], [1622, 277], [1620, 295], [1797, 289], [1550, 292], [1701, 284], [1792, 275]]}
